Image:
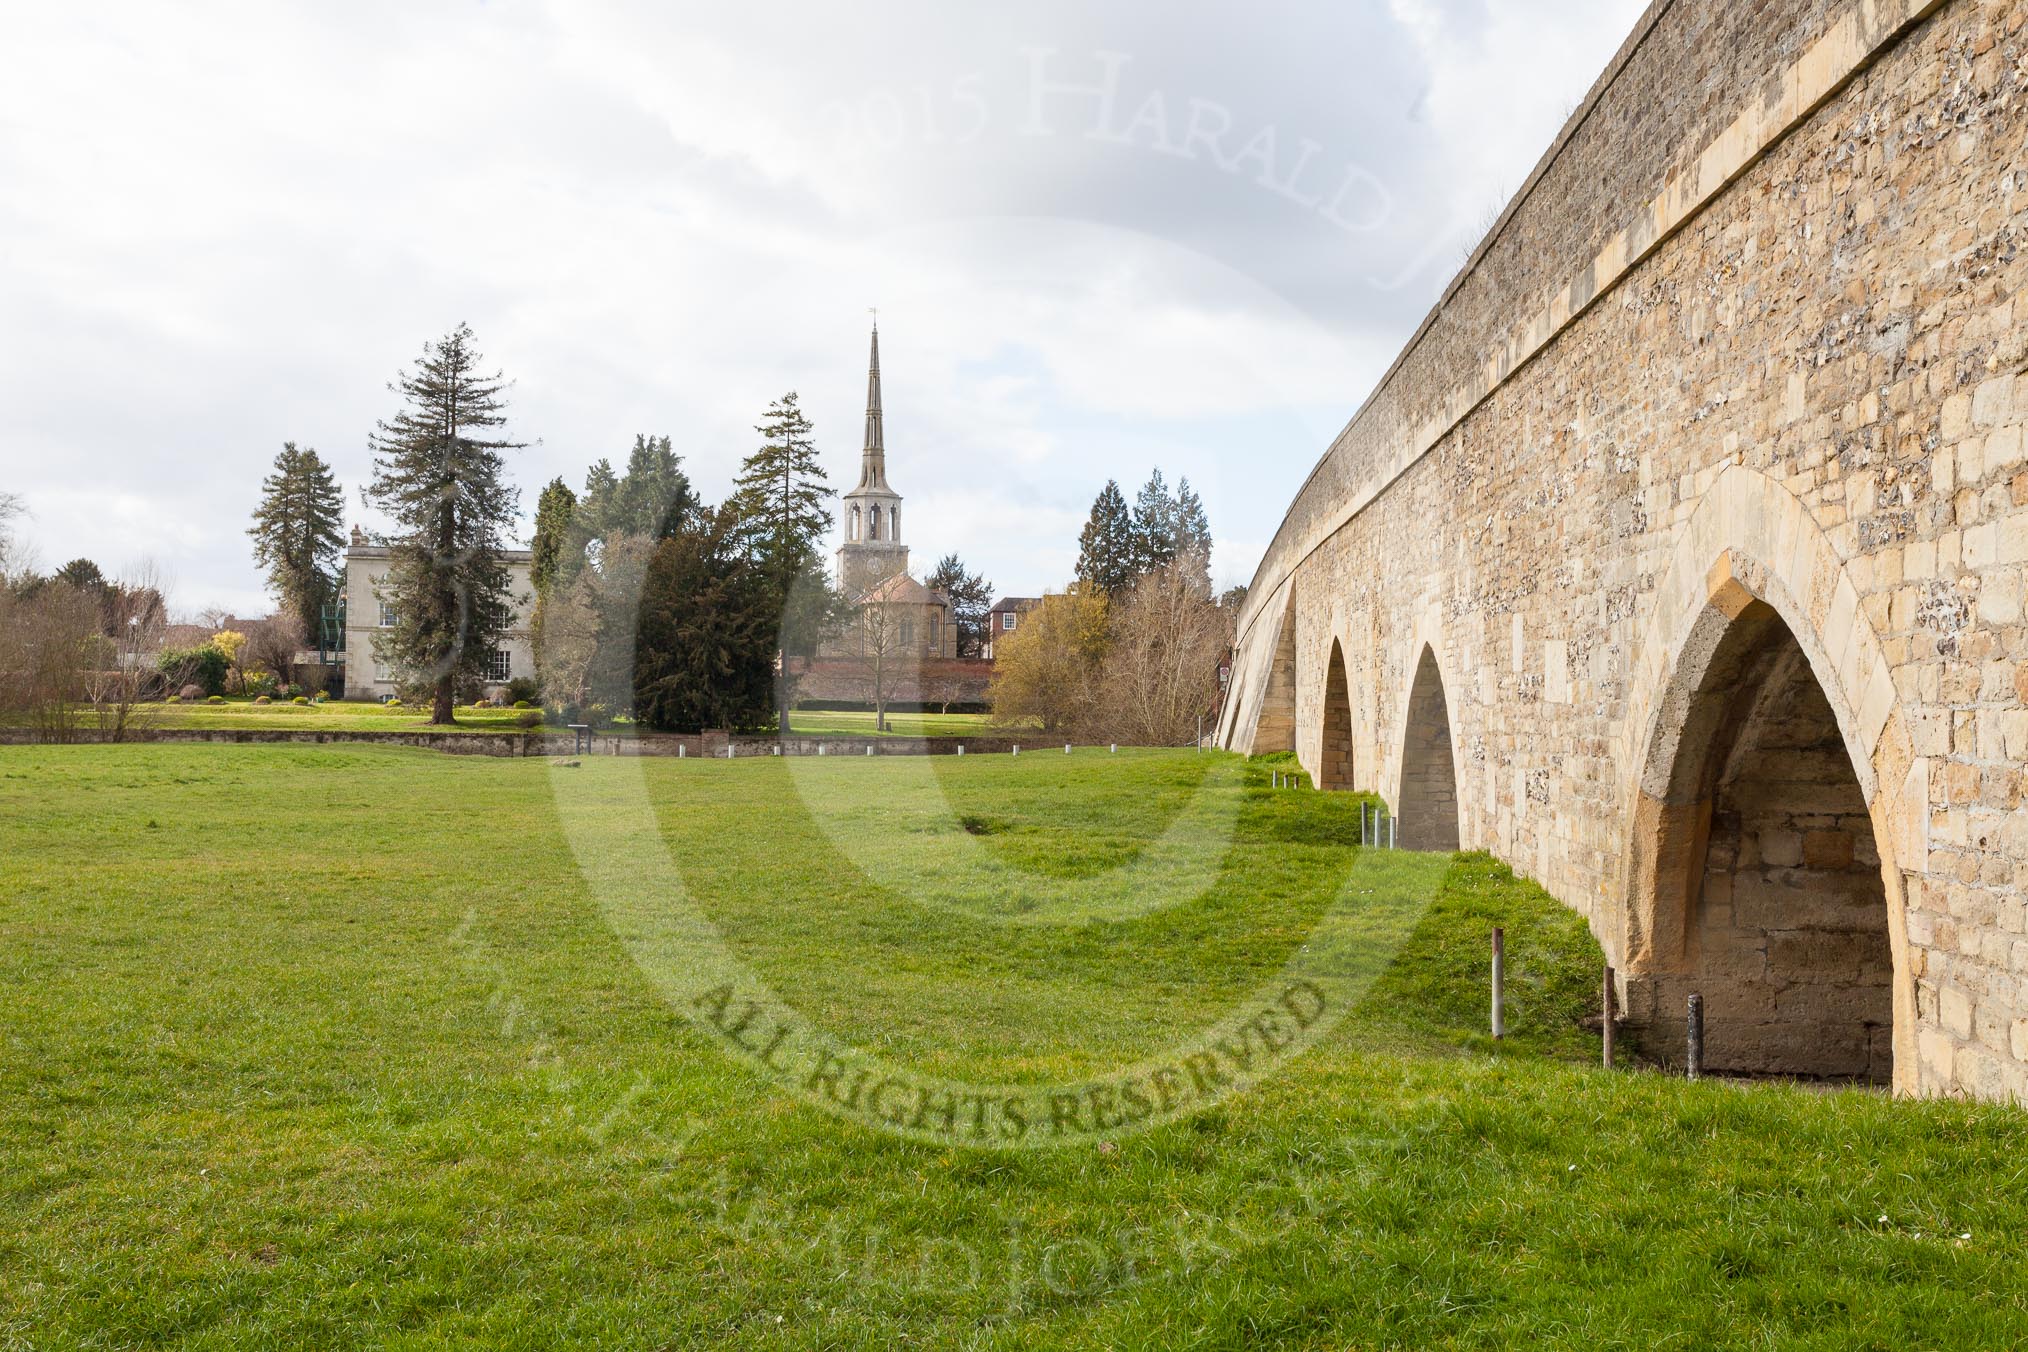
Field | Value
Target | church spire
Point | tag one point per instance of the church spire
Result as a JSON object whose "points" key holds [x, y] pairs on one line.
{"points": [[873, 458]]}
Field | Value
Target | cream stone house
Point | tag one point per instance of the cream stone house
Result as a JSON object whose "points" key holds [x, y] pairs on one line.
{"points": [[369, 678]]}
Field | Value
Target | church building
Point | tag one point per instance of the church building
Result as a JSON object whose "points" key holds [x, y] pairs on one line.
{"points": [[898, 614]]}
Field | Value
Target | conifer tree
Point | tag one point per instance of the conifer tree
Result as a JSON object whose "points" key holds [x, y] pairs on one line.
{"points": [[1193, 537], [442, 479], [1155, 526], [778, 506], [970, 595], [1106, 551], [297, 532], [550, 561], [706, 642]]}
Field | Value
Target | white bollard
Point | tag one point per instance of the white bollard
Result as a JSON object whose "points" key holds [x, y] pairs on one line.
{"points": [[682, 750], [1017, 750], [1066, 748], [961, 748], [778, 748], [1113, 750], [728, 750], [869, 748]]}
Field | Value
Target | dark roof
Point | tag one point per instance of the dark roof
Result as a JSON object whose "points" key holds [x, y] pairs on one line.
{"points": [[1015, 603]]}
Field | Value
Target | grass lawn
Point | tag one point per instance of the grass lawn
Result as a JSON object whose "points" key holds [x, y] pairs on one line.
{"points": [[368, 716], [329, 716], [338, 1046], [859, 723]]}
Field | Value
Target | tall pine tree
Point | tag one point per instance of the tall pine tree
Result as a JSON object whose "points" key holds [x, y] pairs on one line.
{"points": [[442, 479], [1156, 528], [778, 501], [1106, 555], [297, 532], [1193, 536]]}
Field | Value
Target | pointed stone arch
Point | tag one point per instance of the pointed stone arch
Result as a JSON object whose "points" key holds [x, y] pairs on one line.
{"points": [[1771, 755], [1427, 801], [1334, 763]]}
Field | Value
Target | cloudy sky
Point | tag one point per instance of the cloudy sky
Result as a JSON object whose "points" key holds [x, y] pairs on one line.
{"points": [[1100, 238]]}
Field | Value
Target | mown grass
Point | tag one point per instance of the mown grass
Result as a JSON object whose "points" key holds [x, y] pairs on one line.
{"points": [[860, 723], [327, 716], [332, 1047], [370, 716]]}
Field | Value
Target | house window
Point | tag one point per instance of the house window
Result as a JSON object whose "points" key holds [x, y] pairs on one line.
{"points": [[380, 672], [498, 665], [936, 642], [908, 633], [386, 615], [1007, 618]]}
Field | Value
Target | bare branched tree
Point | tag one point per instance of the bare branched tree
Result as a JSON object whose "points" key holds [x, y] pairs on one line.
{"points": [[1159, 675]]}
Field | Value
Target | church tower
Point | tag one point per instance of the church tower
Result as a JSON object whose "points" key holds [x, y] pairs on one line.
{"points": [[872, 551]]}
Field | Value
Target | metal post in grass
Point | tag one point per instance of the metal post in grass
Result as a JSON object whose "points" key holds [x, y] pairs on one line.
{"points": [[1499, 982], [1693, 1044], [1606, 1003], [1393, 833]]}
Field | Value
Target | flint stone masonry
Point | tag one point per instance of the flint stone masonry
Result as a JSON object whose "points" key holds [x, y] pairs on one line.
{"points": [[1746, 344]]}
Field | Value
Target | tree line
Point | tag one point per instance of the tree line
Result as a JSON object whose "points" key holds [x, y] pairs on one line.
{"points": [[1130, 650]]}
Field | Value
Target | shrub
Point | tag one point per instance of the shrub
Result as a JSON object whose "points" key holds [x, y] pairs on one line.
{"points": [[523, 692], [531, 719], [215, 699], [482, 703], [597, 715], [202, 669], [172, 699], [394, 703], [523, 704], [263, 699], [300, 699]]}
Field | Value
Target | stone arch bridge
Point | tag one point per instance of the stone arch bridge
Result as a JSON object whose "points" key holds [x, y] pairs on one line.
{"points": [[1678, 560]]}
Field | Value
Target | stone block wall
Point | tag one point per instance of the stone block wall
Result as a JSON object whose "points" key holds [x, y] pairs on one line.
{"points": [[1793, 377]]}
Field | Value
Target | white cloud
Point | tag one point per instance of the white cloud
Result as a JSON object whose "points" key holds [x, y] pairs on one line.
{"points": [[226, 226]]}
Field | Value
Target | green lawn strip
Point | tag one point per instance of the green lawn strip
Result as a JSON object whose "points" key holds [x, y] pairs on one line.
{"points": [[330, 1047]]}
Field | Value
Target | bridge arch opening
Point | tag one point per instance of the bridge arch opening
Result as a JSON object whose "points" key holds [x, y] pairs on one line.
{"points": [[1768, 896], [1428, 802], [1334, 766]]}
